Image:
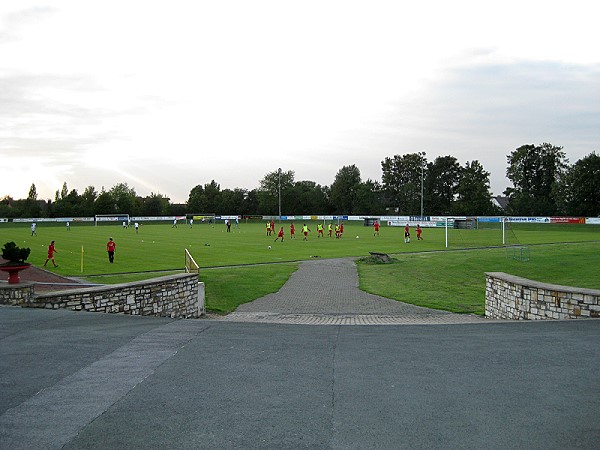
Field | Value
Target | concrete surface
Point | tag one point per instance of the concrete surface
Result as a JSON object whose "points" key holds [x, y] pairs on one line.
{"points": [[88, 380]]}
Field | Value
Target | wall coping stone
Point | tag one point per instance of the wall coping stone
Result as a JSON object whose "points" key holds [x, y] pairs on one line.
{"points": [[540, 285], [112, 287]]}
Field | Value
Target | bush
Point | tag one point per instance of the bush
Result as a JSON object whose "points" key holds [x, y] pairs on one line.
{"points": [[14, 254]]}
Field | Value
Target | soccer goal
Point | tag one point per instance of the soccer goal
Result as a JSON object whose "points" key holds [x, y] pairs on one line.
{"points": [[190, 263], [110, 219], [207, 218]]}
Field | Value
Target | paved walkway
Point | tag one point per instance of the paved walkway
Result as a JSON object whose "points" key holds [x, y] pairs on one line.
{"points": [[325, 292]]}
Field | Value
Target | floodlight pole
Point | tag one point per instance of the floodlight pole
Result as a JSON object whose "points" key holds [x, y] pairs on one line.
{"points": [[422, 154], [279, 189]]}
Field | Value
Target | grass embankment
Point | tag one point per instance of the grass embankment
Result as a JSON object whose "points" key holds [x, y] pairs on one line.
{"points": [[455, 281]]}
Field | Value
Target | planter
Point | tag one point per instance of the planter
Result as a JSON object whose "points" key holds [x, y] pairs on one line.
{"points": [[13, 271]]}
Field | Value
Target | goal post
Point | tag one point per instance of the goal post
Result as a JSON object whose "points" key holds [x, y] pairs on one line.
{"points": [[190, 264], [110, 219], [208, 218]]}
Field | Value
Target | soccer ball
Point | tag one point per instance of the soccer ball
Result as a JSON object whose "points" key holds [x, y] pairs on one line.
{"points": [[269, 246], [356, 237]]}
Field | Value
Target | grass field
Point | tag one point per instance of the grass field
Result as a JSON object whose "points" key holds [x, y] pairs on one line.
{"points": [[159, 247]]}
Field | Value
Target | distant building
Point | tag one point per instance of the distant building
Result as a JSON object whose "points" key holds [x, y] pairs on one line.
{"points": [[501, 202]]}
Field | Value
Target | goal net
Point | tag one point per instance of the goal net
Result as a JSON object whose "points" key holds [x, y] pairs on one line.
{"points": [[198, 218], [190, 264], [111, 219]]}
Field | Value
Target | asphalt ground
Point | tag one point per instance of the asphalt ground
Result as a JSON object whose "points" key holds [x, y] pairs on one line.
{"points": [[85, 380]]}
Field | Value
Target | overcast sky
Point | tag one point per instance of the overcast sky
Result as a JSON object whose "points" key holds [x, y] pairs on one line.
{"points": [[168, 95]]}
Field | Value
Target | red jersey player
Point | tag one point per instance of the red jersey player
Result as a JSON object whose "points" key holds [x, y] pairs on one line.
{"points": [[280, 235], [419, 231], [376, 229], [292, 231], [51, 252]]}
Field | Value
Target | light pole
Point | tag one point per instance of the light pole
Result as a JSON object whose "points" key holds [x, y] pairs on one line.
{"points": [[422, 154], [279, 189]]}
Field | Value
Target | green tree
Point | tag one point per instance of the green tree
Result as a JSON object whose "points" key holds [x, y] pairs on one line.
{"points": [[105, 203], [88, 199], [154, 205], [440, 184], [32, 206], [536, 173], [345, 189], [268, 191], [369, 198], [64, 191], [197, 202], [473, 191], [308, 197], [232, 201], [580, 191], [124, 198], [401, 180]]}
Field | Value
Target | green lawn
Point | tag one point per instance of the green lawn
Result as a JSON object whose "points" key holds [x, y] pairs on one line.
{"points": [[159, 247], [455, 281]]}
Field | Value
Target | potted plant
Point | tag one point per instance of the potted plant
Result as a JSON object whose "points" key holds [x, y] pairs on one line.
{"points": [[15, 261]]}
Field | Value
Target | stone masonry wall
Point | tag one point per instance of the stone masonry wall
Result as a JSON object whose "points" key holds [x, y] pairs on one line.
{"points": [[15, 294], [175, 296], [510, 297]]}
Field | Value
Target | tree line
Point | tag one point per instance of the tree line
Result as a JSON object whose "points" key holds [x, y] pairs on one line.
{"points": [[543, 183]]}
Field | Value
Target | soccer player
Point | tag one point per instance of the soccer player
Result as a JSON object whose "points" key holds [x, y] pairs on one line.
{"points": [[406, 234], [419, 231], [124, 224], [191, 223], [292, 231], [280, 235], [376, 228], [268, 228], [174, 223], [319, 230], [337, 231], [329, 229], [341, 229], [33, 232], [305, 231], [111, 247], [51, 252], [137, 227], [68, 226]]}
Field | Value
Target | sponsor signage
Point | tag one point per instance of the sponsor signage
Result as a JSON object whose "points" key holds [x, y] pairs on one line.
{"points": [[567, 219], [528, 219]]}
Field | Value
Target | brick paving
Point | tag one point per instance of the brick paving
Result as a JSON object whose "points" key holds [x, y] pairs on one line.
{"points": [[325, 292], [44, 279]]}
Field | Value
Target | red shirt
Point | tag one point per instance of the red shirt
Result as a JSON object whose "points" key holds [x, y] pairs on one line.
{"points": [[280, 234], [111, 246], [51, 250], [376, 226]]}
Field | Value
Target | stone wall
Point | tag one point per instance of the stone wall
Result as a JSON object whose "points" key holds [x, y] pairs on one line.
{"points": [[15, 294], [510, 297], [175, 296]]}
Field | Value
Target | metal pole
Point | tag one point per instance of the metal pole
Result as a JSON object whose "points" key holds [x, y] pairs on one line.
{"points": [[279, 188], [421, 189], [422, 154]]}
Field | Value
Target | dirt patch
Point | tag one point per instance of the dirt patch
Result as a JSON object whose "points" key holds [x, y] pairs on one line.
{"points": [[44, 279]]}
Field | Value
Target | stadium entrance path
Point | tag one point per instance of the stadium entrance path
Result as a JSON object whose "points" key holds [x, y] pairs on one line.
{"points": [[325, 292]]}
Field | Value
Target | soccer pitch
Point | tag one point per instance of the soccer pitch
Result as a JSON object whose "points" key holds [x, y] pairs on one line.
{"points": [[160, 247]]}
